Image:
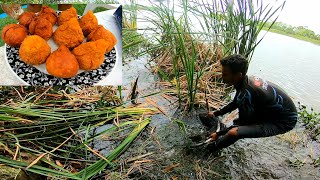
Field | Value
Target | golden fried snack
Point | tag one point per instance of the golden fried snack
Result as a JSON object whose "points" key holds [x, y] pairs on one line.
{"points": [[34, 50], [101, 33], [48, 14], [69, 34], [62, 63], [26, 18], [14, 34], [88, 23], [90, 55], [41, 27], [66, 15]]}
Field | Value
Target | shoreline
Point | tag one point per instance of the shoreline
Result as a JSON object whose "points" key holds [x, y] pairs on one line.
{"points": [[313, 41]]}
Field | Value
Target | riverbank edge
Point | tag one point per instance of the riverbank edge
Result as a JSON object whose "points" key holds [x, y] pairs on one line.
{"points": [[316, 42]]}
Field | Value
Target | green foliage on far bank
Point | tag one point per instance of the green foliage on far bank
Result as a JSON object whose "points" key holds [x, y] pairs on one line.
{"points": [[300, 32]]}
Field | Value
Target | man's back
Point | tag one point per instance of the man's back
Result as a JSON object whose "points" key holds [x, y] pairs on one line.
{"points": [[258, 98]]}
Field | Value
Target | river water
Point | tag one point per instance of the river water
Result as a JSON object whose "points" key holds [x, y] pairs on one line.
{"points": [[293, 64]]}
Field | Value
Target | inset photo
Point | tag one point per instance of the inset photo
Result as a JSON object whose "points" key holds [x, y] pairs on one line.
{"points": [[61, 44]]}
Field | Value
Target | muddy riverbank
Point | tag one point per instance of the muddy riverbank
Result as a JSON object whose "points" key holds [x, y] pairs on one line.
{"points": [[292, 155]]}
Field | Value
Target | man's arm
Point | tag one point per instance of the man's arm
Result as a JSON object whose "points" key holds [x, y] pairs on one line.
{"points": [[228, 108]]}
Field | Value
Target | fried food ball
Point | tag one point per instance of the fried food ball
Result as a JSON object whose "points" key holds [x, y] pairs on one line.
{"points": [[69, 34], [41, 27], [88, 23], [90, 55], [26, 18], [66, 15], [62, 63], [34, 50], [101, 33], [48, 14], [14, 34]]}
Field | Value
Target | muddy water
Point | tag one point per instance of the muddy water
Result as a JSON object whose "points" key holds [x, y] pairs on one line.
{"points": [[263, 158], [271, 157]]}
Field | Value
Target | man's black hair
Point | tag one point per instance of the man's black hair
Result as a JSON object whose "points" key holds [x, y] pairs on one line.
{"points": [[236, 62]]}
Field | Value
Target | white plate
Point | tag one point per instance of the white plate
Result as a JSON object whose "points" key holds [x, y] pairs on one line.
{"points": [[38, 75]]}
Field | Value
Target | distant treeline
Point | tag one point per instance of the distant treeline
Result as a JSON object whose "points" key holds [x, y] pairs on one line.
{"points": [[294, 31]]}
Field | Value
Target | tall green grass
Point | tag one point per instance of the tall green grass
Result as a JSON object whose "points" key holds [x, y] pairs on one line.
{"points": [[101, 164], [232, 25], [133, 42], [237, 23], [175, 36], [130, 14]]}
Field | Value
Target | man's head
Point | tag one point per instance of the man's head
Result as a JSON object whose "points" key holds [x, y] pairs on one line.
{"points": [[234, 69]]}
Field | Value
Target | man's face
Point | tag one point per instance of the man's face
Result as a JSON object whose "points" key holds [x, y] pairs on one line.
{"points": [[229, 77]]}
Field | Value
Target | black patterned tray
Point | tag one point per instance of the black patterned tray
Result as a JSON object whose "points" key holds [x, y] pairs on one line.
{"points": [[35, 77]]}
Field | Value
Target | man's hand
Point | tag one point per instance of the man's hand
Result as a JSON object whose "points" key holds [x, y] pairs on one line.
{"points": [[210, 114], [214, 136]]}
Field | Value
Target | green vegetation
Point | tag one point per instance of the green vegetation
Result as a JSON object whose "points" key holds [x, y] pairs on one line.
{"points": [[237, 25], [316, 162], [30, 123], [1, 11], [88, 172], [299, 32], [310, 119], [22, 2], [100, 9], [130, 14], [297, 163], [8, 172], [177, 37], [134, 44]]}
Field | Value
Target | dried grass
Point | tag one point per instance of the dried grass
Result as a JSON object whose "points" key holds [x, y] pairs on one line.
{"points": [[210, 81]]}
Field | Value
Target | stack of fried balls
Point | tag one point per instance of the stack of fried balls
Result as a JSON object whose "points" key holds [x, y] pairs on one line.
{"points": [[34, 30]]}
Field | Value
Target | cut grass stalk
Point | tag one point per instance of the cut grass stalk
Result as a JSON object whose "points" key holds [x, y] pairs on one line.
{"points": [[37, 169], [101, 164]]}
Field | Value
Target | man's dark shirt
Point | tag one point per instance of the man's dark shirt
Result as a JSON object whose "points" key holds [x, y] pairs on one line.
{"points": [[259, 100]]}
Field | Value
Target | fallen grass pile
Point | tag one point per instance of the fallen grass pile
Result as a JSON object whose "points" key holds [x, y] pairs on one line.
{"points": [[53, 134]]}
